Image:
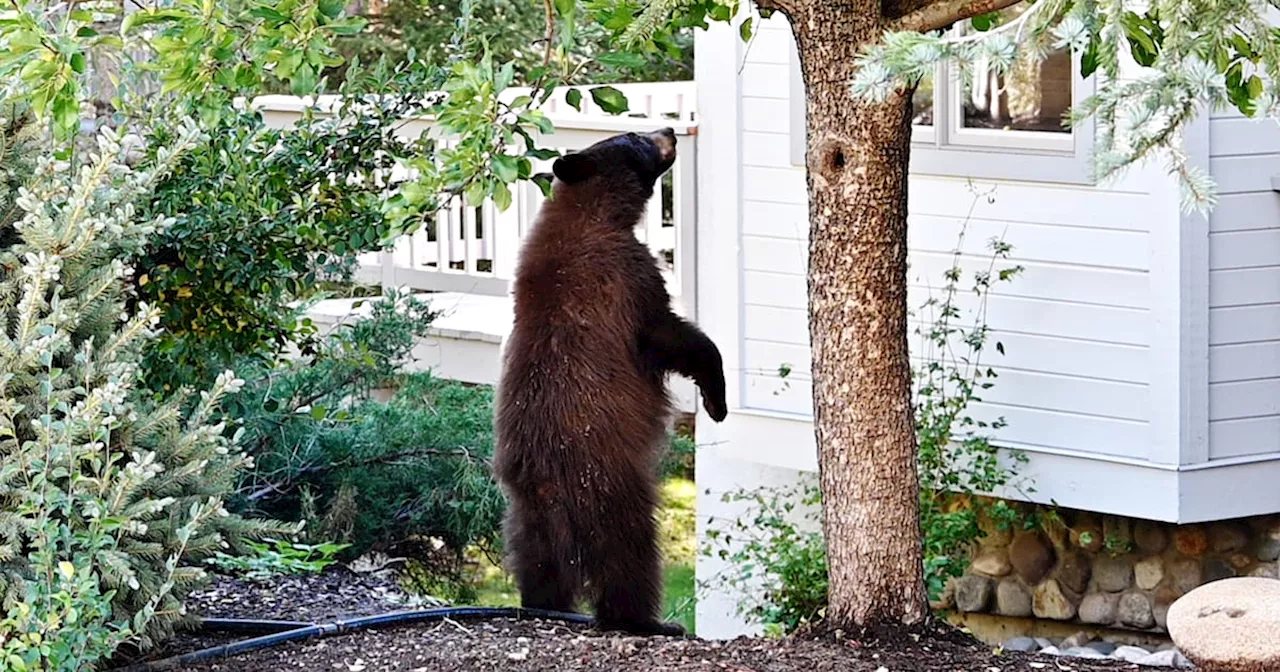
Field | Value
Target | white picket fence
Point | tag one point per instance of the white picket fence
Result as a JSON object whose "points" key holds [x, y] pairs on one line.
{"points": [[474, 250]]}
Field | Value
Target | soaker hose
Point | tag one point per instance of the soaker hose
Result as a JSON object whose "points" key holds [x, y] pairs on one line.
{"points": [[292, 631]]}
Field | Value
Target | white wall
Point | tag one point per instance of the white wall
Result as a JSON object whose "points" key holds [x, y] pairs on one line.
{"points": [[1244, 288], [1075, 326]]}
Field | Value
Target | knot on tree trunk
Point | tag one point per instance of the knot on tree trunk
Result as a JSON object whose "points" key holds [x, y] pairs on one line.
{"points": [[832, 159]]}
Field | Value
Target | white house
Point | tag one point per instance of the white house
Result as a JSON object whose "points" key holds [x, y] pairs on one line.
{"points": [[1141, 371]]}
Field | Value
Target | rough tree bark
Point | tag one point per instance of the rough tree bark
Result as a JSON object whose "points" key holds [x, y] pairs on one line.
{"points": [[857, 161]]}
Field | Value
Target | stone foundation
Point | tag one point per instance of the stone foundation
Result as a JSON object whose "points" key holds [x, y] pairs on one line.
{"points": [[1108, 571]]}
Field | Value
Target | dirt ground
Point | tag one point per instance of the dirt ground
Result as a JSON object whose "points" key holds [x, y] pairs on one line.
{"points": [[536, 645], [506, 644]]}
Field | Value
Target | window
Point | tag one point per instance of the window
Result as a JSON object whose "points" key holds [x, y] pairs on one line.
{"points": [[989, 125]]}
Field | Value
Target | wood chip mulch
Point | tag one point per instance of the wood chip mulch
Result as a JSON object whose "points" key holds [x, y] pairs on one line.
{"points": [[534, 645]]}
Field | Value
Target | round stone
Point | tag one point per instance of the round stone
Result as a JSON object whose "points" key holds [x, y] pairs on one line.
{"points": [[1148, 572], [1265, 572], [1087, 537], [1074, 571], [1049, 601], [1218, 569], [1112, 574], [1020, 645], [1160, 612], [1187, 575], [1130, 654], [1269, 546], [1228, 537], [1230, 625], [1031, 557], [973, 593], [1117, 529], [1012, 599], [992, 563], [1191, 540], [1135, 611], [1150, 537], [1099, 609], [1105, 648]]}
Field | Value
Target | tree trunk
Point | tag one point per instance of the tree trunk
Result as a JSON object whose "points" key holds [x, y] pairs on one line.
{"points": [[857, 177]]}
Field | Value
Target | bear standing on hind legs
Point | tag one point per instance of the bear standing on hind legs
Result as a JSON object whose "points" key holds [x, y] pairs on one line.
{"points": [[582, 403]]}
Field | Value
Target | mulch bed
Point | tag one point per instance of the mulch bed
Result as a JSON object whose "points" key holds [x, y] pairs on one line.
{"points": [[505, 644]]}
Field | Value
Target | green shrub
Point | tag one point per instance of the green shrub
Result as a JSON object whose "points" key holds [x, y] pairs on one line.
{"points": [[19, 147], [107, 505], [263, 560], [376, 474], [260, 220], [777, 554], [678, 460]]}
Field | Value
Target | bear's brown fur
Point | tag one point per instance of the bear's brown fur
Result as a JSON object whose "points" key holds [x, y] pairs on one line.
{"points": [[582, 403]]}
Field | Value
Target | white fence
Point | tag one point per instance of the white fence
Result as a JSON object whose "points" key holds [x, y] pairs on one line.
{"points": [[474, 250]]}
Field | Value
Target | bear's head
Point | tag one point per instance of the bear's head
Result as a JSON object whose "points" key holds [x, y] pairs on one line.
{"points": [[630, 163]]}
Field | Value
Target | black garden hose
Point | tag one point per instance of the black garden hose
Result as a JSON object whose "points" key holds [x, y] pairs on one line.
{"points": [[291, 631]]}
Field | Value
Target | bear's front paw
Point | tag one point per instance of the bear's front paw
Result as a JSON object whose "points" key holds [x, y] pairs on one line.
{"points": [[716, 407]]}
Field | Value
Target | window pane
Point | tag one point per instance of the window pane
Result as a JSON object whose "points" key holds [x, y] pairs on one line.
{"points": [[922, 103], [1030, 96]]}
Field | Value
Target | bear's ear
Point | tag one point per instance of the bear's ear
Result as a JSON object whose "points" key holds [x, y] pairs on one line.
{"points": [[572, 168]]}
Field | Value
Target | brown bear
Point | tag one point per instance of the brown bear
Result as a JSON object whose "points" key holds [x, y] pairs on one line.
{"points": [[582, 404]]}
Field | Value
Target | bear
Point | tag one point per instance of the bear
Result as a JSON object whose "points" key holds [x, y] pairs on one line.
{"points": [[581, 405]]}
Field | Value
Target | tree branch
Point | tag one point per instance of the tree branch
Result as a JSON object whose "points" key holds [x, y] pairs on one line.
{"points": [[942, 13], [550, 35]]}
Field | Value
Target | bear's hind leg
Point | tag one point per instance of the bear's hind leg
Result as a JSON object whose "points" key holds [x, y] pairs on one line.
{"points": [[544, 576], [628, 580]]}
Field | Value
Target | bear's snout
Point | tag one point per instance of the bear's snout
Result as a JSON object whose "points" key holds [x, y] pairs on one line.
{"points": [[665, 139]]}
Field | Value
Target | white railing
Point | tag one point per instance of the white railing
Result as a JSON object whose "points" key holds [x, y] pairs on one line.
{"points": [[474, 250]]}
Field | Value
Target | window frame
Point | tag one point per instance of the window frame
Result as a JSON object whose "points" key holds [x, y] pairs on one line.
{"points": [[947, 149]]}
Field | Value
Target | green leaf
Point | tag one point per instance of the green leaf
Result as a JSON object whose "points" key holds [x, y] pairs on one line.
{"points": [[348, 26], [574, 98], [541, 121], [505, 167], [77, 62], [543, 180], [475, 194], [502, 197], [146, 17], [66, 112], [744, 30], [1089, 59], [565, 7], [304, 80], [506, 75], [331, 9], [542, 154], [623, 59], [610, 99], [1255, 87], [268, 14], [319, 412]]}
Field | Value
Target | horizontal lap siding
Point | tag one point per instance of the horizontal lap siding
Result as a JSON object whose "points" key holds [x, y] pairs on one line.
{"points": [[1074, 326], [1244, 289]]}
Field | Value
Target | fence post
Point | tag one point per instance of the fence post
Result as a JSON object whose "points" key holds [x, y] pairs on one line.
{"points": [[684, 212], [387, 268]]}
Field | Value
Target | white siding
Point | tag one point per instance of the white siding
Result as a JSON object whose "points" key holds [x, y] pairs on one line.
{"points": [[1244, 289], [1075, 325]]}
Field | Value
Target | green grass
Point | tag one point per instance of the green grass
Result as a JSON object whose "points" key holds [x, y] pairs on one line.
{"points": [[494, 588]]}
